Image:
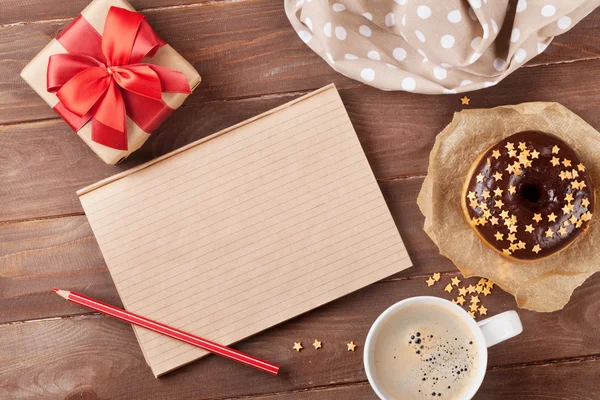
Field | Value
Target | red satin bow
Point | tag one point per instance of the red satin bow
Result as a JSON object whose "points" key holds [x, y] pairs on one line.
{"points": [[108, 84]]}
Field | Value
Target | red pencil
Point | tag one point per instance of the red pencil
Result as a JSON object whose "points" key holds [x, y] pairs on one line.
{"points": [[168, 331]]}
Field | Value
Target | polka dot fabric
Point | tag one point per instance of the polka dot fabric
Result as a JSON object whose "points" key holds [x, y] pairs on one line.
{"points": [[429, 46]]}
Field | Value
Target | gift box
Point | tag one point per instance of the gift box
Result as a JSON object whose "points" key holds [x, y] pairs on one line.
{"points": [[111, 78]]}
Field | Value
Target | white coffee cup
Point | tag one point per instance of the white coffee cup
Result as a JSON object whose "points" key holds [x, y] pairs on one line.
{"points": [[486, 333]]}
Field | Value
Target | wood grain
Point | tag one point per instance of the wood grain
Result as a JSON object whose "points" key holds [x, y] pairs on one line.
{"points": [[44, 163], [98, 356], [237, 56]]}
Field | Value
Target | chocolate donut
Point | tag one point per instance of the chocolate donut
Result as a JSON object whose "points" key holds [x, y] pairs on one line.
{"points": [[528, 196]]}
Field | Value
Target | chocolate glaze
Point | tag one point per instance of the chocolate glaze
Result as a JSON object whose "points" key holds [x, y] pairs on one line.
{"points": [[539, 191]]}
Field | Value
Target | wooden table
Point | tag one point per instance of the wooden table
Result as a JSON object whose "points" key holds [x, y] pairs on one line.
{"points": [[250, 60]]}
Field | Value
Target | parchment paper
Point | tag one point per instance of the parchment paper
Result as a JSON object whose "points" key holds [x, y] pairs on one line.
{"points": [[545, 285]]}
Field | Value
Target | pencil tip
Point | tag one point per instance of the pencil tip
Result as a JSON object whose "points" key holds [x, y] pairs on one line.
{"points": [[54, 290]]}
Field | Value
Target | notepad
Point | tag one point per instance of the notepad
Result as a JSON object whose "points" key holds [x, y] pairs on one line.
{"points": [[246, 228]]}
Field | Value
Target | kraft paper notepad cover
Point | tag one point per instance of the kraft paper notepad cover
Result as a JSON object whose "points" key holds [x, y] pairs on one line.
{"points": [[246, 228]]}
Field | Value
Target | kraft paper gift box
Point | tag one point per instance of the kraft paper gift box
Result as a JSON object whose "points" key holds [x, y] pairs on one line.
{"points": [[90, 25]]}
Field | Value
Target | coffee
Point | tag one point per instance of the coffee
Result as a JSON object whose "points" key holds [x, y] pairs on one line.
{"points": [[425, 351]]}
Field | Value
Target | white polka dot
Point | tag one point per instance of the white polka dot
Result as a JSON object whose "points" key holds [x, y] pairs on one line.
{"points": [[330, 58], [391, 66], [409, 84], [399, 53], [449, 91], [494, 26], [350, 56], [403, 36], [424, 12], [365, 30], [548, 11], [521, 6], [308, 23], [374, 55], [564, 22], [420, 36], [454, 16], [447, 41], [541, 47], [422, 53], [472, 14], [368, 16], [390, 19], [327, 29], [488, 84], [475, 3], [404, 20], [440, 73], [299, 3], [475, 43], [499, 64], [304, 35], [337, 7], [367, 74], [486, 31], [515, 35], [474, 58], [340, 32], [465, 82], [402, 2], [520, 55], [446, 65]]}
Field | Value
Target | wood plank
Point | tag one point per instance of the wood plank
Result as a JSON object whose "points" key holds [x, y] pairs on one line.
{"points": [[564, 380], [62, 252], [46, 162], [237, 56], [98, 356]]}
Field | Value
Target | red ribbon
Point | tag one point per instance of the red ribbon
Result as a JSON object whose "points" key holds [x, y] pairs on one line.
{"points": [[102, 78]]}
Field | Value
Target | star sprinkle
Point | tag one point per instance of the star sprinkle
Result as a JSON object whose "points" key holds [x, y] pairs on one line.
{"points": [[566, 163], [587, 216], [585, 202], [512, 153], [573, 220], [498, 176], [581, 167], [455, 281], [471, 289], [512, 189], [474, 299], [555, 150], [479, 289], [448, 288], [578, 185], [462, 291], [549, 233], [537, 217], [465, 101], [494, 221], [498, 192], [536, 249], [485, 194], [480, 178], [298, 346], [509, 146], [499, 236], [555, 161], [489, 284], [496, 154], [473, 307], [472, 314], [511, 237], [569, 197], [512, 229], [482, 310], [436, 276], [351, 346], [529, 228], [562, 230], [522, 146], [552, 217], [535, 154], [521, 245], [317, 344], [460, 300], [568, 208], [430, 282], [486, 291], [506, 252], [504, 214], [499, 204]]}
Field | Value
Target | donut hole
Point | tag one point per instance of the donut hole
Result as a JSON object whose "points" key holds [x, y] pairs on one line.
{"points": [[531, 192]]}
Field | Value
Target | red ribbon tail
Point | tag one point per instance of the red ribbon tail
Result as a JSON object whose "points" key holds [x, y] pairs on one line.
{"points": [[108, 136]]}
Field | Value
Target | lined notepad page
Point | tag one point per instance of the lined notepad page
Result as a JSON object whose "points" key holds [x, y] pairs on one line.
{"points": [[246, 229]]}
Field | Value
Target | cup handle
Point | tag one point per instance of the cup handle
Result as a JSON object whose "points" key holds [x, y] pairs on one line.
{"points": [[500, 327]]}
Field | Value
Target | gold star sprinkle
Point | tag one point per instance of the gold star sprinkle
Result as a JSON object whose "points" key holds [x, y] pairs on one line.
{"points": [[448, 288], [513, 247], [512, 189], [455, 281], [512, 229], [482, 310], [504, 214], [465, 101], [472, 196], [462, 291], [552, 217], [489, 284], [521, 245], [555, 161], [578, 185], [512, 153], [566, 163], [562, 230], [297, 346], [563, 175], [536, 249], [317, 344], [482, 221], [569, 197], [499, 204], [486, 291], [581, 167], [436, 276], [529, 228], [471, 289], [460, 300], [506, 252], [585, 202], [574, 174], [454, 301], [499, 236], [483, 205], [511, 237], [537, 217], [473, 307], [498, 192], [535, 154], [587, 216], [555, 150], [474, 299], [351, 346], [498, 176], [549, 233], [481, 281], [430, 282], [480, 178], [496, 154], [573, 219], [479, 288], [472, 314], [494, 221], [567, 208], [566, 223], [579, 223], [509, 146], [522, 146], [474, 204], [485, 194]]}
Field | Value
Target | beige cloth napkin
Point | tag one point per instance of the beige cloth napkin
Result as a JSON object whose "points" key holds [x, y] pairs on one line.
{"points": [[432, 47]]}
